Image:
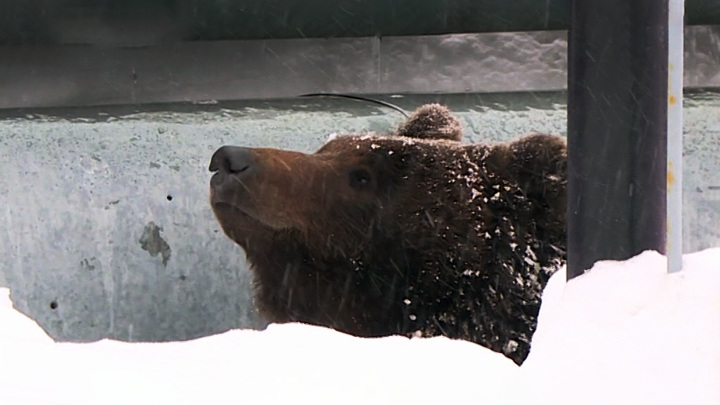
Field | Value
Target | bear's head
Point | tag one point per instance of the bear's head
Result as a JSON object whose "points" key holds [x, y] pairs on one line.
{"points": [[410, 234]]}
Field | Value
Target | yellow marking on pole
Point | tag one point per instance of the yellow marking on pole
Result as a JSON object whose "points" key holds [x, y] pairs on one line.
{"points": [[670, 175]]}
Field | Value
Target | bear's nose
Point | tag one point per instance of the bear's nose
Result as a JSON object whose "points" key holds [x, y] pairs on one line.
{"points": [[231, 159]]}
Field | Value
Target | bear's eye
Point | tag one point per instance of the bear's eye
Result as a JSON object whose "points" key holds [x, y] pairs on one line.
{"points": [[360, 178]]}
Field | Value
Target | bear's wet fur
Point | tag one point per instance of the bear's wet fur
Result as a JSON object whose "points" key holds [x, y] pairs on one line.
{"points": [[416, 235]]}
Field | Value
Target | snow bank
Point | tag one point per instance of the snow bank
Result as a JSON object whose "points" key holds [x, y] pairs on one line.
{"points": [[291, 363], [628, 333], [625, 332]]}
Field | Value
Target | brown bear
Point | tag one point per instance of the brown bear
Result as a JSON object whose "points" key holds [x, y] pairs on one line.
{"points": [[413, 234]]}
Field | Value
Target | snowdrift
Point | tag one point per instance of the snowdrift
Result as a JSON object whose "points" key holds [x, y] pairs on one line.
{"points": [[623, 333]]}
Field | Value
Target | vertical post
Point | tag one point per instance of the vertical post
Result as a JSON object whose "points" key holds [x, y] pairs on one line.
{"points": [[676, 9], [617, 130]]}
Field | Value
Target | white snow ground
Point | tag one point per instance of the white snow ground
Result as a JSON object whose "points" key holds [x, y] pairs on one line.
{"points": [[624, 333]]}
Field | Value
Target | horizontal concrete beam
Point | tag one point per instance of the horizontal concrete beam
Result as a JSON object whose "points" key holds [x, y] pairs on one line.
{"points": [[56, 76]]}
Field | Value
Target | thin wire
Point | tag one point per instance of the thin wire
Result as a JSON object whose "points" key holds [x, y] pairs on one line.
{"points": [[359, 98]]}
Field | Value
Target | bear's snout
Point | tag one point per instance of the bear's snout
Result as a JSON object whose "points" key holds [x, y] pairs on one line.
{"points": [[231, 165], [257, 182], [231, 159]]}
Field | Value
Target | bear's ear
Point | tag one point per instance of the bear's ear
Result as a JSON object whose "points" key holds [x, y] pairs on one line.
{"points": [[432, 121], [540, 166]]}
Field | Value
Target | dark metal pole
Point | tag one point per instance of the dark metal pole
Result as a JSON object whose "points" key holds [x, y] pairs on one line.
{"points": [[617, 115]]}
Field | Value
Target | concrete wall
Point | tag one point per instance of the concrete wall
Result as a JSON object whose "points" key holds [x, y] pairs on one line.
{"points": [[106, 230]]}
